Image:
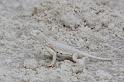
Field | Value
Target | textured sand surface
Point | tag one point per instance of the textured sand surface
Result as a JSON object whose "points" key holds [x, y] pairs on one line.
{"points": [[93, 26]]}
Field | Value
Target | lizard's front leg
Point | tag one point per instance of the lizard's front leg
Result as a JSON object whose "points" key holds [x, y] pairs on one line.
{"points": [[53, 53]]}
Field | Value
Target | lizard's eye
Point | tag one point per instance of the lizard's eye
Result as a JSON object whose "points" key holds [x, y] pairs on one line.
{"points": [[57, 52]]}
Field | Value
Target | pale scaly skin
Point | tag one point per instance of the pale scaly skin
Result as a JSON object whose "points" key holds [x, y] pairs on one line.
{"points": [[53, 47]]}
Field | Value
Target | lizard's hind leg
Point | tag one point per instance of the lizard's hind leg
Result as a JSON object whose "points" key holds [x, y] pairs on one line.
{"points": [[81, 61], [75, 57]]}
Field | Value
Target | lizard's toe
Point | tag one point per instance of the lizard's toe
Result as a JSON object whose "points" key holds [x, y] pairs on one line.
{"points": [[80, 62], [51, 65]]}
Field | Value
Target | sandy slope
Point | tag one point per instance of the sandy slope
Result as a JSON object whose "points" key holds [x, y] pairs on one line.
{"points": [[93, 26]]}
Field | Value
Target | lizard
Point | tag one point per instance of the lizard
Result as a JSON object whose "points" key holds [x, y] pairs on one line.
{"points": [[55, 47]]}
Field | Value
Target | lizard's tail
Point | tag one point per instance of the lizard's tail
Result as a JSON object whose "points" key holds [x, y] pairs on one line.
{"points": [[99, 58]]}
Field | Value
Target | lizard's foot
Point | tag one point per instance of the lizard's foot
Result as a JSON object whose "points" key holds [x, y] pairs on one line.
{"points": [[82, 61], [51, 65]]}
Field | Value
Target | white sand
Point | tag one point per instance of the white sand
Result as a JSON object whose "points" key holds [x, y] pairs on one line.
{"points": [[93, 26]]}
